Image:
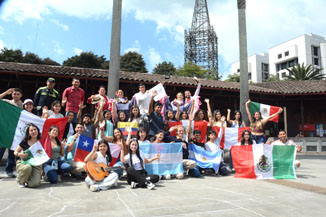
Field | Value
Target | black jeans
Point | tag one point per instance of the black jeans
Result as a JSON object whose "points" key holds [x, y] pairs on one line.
{"points": [[140, 176]]}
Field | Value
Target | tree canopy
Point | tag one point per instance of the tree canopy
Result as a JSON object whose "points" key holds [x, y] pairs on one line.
{"points": [[87, 60], [302, 72], [233, 78], [133, 62], [164, 68]]}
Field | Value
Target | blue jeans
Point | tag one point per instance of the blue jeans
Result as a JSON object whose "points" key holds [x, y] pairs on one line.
{"points": [[259, 139], [120, 170], [195, 172], [51, 174], [10, 165]]}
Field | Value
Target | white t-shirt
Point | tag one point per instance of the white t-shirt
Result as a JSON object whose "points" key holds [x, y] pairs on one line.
{"points": [[288, 142], [100, 158], [51, 114], [135, 161], [211, 147], [143, 101], [143, 142]]}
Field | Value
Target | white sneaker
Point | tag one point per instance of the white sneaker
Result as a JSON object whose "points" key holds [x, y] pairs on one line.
{"points": [[167, 176], [179, 176], [150, 185], [94, 188], [22, 186], [133, 184]]}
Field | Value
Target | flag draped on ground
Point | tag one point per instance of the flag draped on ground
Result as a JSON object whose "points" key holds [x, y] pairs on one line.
{"points": [[36, 155], [227, 137], [133, 125], [263, 161], [170, 161], [205, 159], [265, 110], [14, 122]]}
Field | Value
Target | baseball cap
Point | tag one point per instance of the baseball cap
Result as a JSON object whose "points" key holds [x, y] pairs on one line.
{"points": [[27, 101], [51, 80]]}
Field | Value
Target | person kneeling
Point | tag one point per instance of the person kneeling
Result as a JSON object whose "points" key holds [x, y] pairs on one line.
{"points": [[136, 173], [101, 154]]}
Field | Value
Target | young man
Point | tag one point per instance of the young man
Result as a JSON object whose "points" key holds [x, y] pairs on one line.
{"points": [[44, 96], [188, 96], [16, 95], [73, 97], [70, 126], [283, 140], [89, 127], [196, 139], [157, 122], [71, 146], [143, 99]]}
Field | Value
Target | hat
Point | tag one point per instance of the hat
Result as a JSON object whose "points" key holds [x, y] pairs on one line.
{"points": [[28, 101], [51, 80]]}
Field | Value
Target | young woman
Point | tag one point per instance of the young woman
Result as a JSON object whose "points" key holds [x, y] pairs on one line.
{"points": [[159, 137], [122, 116], [101, 154], [257, 124], [237, 122], [136, 173], [246, 138], [142, 136], [28, 176], [55, 165], [184, 115], [134, 114], [54, 112], [105, 121], [28, 105]]}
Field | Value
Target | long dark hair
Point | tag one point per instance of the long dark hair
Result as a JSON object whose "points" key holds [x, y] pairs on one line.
{"points": [[240, 119], [158, 132], [108, 152], [131, 115], [56, 138], [254, 119], [27, 136], [143, 130], [125, 120], [166, 115], [197, 114], [137, 153], [243, 140], [115, 139]]}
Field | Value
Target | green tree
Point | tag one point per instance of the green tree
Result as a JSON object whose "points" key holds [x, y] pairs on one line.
{"points": [[133, 62], [233, 78], [85, 60], [164, 68], [48, 61], [302, 72], [9, 55], [272, 78], [32, 58], [190, 69]]}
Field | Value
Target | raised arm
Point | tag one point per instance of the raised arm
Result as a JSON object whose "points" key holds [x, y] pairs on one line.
{"points": [[265, 120], [248, 112], [152, 159], [7, 92], [198, 87], [209, 112], [152, 102], [114, 110], [80, 111], [228, 117], [177, 115]]}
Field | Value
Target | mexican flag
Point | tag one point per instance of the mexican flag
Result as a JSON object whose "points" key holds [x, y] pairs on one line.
{"points": [[263, 161], [265, 110], [14, 122], [227, 137], [36, 155]]}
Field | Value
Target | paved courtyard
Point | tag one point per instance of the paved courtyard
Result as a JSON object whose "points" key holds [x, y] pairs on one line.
{"points": [[207, 196]]}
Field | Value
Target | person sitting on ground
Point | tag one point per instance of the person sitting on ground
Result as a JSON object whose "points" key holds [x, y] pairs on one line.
{"points": [[101, 154], [70, 148], [283, 140], [28, 175], [237, 122], [136, 173], [55, 167], [54, 112]]}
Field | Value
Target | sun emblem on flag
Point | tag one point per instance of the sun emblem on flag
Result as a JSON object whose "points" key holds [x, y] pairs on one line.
{"points": [[264, 110], [204, 158], [263, 164]]}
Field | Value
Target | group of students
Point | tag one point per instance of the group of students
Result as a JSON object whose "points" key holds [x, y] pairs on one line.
{"points": [[152, 117]]}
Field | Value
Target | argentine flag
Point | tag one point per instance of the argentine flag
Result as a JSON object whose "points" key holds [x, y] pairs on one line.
{"points": [[205, 159]]}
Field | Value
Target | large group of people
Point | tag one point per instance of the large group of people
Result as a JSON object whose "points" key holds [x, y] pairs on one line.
{"points": [[153, 118]]}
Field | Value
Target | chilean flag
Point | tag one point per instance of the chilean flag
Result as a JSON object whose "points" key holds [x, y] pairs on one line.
{"points": [[84, 147]]}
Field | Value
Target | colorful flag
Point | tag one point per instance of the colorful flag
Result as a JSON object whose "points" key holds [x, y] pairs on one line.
{"points": [[170, 161], [115, 152], [36, 155], [133, 125], [227, 137], [202, 126], [263, 161], [205, 159], [84, 147], [184, 123], [265, 110], [14, 122]]}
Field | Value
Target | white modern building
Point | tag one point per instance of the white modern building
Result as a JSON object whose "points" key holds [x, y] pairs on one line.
{"points": [[258, 69], [307, 49]]}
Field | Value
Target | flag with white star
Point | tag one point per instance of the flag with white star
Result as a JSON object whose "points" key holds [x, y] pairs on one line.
{"points": [[84, 147]]}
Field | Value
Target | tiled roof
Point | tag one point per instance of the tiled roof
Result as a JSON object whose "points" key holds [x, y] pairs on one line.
{"points": [[294, 87]]}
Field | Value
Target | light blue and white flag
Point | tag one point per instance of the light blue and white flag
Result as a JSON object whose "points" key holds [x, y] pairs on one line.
{"points": [[205, 159], [170, 161]]}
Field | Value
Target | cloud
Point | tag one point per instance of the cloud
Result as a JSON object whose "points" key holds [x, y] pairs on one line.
{"points": [[2, 45], [63, 26], [154, 57], [57, 48], [78, 51], [135, 47]]}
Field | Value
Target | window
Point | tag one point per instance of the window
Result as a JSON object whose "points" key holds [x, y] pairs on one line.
{"points": [[316, 61], [315, 51], [283, 74], [279, 56], [238, 70], [249, 76], [264, 67], [286, 53], [287, 64]]}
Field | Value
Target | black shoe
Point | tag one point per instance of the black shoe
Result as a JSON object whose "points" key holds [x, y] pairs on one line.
{"points": [[11, 175]]}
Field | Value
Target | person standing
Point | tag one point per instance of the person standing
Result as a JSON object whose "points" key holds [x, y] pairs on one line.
{"points": [[16, 95], [73, 97], [44, 96]]}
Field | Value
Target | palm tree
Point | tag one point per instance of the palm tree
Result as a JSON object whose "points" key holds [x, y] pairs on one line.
{"points": [[302, 72]]}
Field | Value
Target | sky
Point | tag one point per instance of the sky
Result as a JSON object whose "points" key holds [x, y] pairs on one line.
{"points": [[60, 29]]}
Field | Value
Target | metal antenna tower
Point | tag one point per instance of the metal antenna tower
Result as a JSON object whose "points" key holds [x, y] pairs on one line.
{"points": [[201, 40]]}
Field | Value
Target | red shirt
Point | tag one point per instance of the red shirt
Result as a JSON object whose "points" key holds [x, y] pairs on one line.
{"points": [[74, 98]]}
